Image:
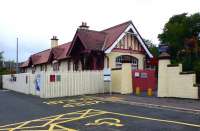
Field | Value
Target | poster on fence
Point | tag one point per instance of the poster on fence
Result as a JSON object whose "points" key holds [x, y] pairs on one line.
{"points": [[38, 83]]}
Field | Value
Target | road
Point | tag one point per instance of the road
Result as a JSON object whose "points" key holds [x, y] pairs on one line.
{"points": [[88, 113]]}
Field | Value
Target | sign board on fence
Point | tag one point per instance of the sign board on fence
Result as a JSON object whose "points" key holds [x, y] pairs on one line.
{"points": [[137, 74], [143, 75], [107, 74], [38, 82]]}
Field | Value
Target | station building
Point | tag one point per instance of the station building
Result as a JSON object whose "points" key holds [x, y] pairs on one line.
{"points": [[93, 50]]}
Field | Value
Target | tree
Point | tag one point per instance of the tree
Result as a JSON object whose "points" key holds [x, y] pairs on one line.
{"points": [[152, 47], [3, 70], [1, 59], [181, 33]]}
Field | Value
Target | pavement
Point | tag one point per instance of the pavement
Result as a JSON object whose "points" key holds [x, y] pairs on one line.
{"points": [[191, 105], [100, 112]]}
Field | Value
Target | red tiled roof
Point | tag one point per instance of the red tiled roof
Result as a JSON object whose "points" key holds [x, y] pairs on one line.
{"points": [[100, 40], [92, 40], [60, 52], [41, 57], [114, 32], [25, 64]]}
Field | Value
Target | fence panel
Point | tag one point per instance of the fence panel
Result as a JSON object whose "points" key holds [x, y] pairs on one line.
{"points": [[56, 84], [59, 84], [17, 82]]}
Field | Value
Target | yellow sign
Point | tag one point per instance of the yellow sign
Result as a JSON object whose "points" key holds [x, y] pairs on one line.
{"points": [[106, 121]]}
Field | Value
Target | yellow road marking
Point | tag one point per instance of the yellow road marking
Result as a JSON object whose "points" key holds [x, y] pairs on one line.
{"points": [[42, 119], [99, 112], [53, 120], [74, 102], [107, 121], [18, 127], [156, 119], [82, 115], [52, 126]]}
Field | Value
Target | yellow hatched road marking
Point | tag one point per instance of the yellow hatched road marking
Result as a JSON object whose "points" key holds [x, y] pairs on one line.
{"points": [[55, 121], [50, 121], [18, 127]]}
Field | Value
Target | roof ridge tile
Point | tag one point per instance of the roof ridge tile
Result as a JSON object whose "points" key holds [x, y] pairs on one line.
{"points": [[127, 22]]}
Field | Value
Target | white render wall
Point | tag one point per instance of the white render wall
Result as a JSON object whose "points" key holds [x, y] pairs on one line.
{"points": [[173, 84], [72, 83]]}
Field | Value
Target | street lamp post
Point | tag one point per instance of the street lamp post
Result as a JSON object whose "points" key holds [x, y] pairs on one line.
{"points": [[17, 65]]}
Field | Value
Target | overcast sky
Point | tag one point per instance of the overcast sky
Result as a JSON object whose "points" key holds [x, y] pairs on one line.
{"points": [[36, 21]]}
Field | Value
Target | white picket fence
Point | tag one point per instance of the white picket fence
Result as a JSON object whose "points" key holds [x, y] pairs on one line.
{"points": [[65, 84]]}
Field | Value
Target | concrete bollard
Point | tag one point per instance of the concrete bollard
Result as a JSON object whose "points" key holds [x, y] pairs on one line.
{"points": [[137, 91], [149, 92]]}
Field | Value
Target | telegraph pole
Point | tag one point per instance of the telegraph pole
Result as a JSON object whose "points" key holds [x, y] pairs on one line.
{"points": [[17, 66]]}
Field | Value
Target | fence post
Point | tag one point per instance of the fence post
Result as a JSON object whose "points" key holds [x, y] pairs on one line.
{"points": [[1, 82]]}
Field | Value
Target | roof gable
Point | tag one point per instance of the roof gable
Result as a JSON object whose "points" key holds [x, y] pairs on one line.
{"points": [[91, 40], [119, 33], [113, 33]]}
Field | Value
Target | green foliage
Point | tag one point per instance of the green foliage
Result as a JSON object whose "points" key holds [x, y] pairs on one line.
{"points": [[181, 34], [1, 59], [153, 48], [1, 56], [2, 69]]}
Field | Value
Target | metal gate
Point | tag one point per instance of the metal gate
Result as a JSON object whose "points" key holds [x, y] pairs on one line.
{"points": [[144, 79]]}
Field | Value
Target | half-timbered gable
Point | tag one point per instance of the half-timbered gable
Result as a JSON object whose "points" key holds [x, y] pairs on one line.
{"points": [[129, 43]]}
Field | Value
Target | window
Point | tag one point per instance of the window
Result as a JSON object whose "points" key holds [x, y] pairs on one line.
{"points": [[68, 65], [126, 59], [45, 67], [33, 69], [41, 68], [55, 66]]}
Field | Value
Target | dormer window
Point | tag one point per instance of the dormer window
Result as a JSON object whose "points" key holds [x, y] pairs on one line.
{"points": [[33, 69], [56, 65]]}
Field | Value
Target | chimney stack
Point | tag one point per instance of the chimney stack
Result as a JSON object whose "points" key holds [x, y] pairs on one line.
{"points": [[54, 41], [84, 26]]}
